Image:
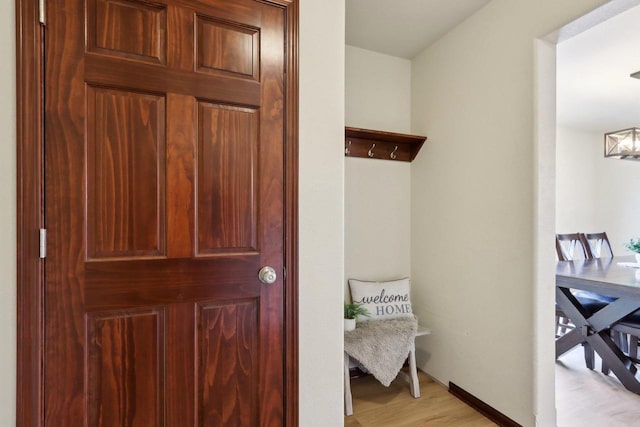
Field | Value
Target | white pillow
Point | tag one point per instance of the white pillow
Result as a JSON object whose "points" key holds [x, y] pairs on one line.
{"points": [[383, 300]]}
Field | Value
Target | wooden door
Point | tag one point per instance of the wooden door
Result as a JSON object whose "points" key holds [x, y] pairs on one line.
{"points": [[164, 139]]}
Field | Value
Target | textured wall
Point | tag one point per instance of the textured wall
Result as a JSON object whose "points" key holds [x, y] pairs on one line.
{"points": [[377, 192], [595, 193], [321, 211], [473, 204]]}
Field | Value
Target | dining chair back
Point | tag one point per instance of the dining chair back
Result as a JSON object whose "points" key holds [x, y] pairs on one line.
{"points": [[572, 246], [599, 245]]}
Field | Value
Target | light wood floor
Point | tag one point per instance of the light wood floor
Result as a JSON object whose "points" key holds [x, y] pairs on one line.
{"points": [[587, 398], [377, 406], [584, 398]]}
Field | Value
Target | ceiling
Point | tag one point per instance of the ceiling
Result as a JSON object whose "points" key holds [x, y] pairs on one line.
{"points": [[594, 90], [403, 28]]}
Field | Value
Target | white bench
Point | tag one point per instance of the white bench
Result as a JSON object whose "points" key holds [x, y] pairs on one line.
{"points": [[412, 378]]}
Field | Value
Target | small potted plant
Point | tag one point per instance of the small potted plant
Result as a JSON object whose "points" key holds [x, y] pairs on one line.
{"points": [[634, 246], [351, 313]]}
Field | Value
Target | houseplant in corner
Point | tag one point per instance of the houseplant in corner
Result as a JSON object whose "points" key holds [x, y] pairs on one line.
{"points": [[634, 246], [351, 313]]}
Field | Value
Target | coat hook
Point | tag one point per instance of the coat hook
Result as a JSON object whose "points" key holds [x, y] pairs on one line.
{"points": [[370, 153], [347, 150], [393, 153]]}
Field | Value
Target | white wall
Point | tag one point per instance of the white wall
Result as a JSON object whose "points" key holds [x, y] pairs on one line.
{"points": [[617, 203], [321, 212], [7, 214], [377, 91], [473, 203], [576, 181], [377, 192], [594, 193]]}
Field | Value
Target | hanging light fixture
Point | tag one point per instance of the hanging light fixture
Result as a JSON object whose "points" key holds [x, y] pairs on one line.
{"points": [[624, 144]]}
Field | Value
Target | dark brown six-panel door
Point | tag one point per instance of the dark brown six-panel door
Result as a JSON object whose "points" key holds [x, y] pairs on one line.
{"points": [[164, 189]]}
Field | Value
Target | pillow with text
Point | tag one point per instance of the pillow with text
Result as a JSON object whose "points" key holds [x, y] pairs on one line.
{"points": [[383, 300]]}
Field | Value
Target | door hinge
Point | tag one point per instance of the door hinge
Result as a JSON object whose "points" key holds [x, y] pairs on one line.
{"points": [[284, 273], [41, 12], [43, 243]]}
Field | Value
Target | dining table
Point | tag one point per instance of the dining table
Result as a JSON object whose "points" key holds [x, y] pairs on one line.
{"points": [[614, 277]]}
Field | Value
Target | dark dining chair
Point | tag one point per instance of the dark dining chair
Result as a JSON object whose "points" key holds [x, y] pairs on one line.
{"points": [[572, 246], [599, 245], [625, 335], [569, 246], [629, 327]]}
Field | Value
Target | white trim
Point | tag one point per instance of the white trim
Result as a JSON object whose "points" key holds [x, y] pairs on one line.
{"points": [[544, 225], [544, 202]]}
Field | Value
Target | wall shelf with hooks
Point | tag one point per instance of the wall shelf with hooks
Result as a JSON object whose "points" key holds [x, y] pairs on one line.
{"points": [[375, 144]]}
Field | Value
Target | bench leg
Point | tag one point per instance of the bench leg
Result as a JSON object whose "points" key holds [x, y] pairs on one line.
{"points": [[348, 404], [413, 372]]}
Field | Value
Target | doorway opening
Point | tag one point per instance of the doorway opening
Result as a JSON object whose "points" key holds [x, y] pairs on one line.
{"points": [[548, 126]]}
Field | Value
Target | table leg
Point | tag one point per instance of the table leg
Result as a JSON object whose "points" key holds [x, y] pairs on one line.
{"points": [[597, 336], [618, 363], [568, 341], [589, 356]]}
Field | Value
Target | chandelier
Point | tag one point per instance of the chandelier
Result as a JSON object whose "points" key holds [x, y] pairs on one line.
{"points": [[623, 144]]}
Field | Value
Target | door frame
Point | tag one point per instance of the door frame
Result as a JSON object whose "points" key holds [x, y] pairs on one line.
{"points": [[30, 212]]}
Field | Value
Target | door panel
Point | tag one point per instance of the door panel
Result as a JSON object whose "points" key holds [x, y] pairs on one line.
{"points": [[125, 375], [164, 188], [226, 345], [225, 48], [110, 25], [125, 174], [227, 150]]}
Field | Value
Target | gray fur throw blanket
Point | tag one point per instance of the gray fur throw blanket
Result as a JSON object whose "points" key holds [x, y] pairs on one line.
{"points": [[382, 346]]}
